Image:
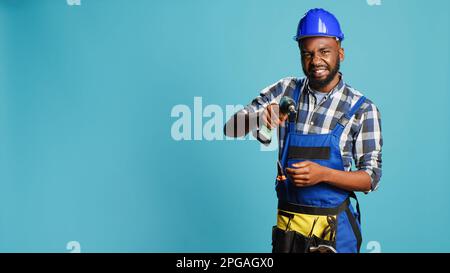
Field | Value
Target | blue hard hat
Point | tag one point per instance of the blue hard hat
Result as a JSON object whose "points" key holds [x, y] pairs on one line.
{"points": [[318, 22]]}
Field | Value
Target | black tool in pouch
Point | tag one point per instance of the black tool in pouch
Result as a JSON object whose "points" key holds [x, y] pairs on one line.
{"points": [[293, 242], [286, 241]]}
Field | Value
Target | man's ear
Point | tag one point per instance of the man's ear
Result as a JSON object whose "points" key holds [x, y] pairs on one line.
{"points": [[341, 54]]}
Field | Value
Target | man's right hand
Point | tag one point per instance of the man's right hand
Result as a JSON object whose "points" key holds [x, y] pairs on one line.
{"points": [[272, 117]]}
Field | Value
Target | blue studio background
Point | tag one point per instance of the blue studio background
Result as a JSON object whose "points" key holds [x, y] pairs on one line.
{"points": [[87, 153]]}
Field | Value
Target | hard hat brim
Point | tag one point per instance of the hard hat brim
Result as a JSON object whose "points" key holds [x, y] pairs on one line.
{"points": [[298, 38]]}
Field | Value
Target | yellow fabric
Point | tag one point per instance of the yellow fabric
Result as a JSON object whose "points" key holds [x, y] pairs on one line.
{"points": [[303, 223]]}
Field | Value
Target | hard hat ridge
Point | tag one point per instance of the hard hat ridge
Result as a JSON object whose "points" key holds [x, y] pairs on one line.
{"points": [[318, 22]]}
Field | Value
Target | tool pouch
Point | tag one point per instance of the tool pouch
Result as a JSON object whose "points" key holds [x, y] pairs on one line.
{"points": [[294, 242]]}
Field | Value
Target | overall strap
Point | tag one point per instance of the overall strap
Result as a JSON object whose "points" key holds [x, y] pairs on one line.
{"points": [[342, 122], [353, 222], [292, 120], [353, 195]]}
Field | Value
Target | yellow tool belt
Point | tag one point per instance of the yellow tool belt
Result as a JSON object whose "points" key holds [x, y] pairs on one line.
{"points": [[307, 225], [309, 221]]}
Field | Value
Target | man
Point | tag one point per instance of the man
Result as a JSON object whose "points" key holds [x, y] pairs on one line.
{"points": [[331, 125]]}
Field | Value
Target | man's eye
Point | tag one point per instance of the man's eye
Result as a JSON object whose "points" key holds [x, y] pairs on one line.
{"points": [[325, 51]]}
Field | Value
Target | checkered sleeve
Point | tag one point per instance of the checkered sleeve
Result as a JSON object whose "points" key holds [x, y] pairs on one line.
{"points": [[368, 144], [270, 94]]}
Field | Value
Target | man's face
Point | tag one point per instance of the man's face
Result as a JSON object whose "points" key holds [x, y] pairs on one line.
{"points": [[321, 57]]}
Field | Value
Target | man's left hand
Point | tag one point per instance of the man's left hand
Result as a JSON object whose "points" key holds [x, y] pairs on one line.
{"points": [[307, 173]]}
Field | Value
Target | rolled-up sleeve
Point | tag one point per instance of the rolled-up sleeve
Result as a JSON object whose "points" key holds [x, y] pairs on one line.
{"points": [[368, 145]]}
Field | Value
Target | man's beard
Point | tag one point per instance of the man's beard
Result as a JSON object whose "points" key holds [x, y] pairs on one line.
{"points": [[318, 84]]}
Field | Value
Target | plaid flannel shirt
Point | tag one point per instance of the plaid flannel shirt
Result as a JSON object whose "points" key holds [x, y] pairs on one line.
{"points": [[361, 140]]}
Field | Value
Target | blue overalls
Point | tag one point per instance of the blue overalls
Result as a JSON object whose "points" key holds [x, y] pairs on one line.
{"points": [[321, 214]]}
